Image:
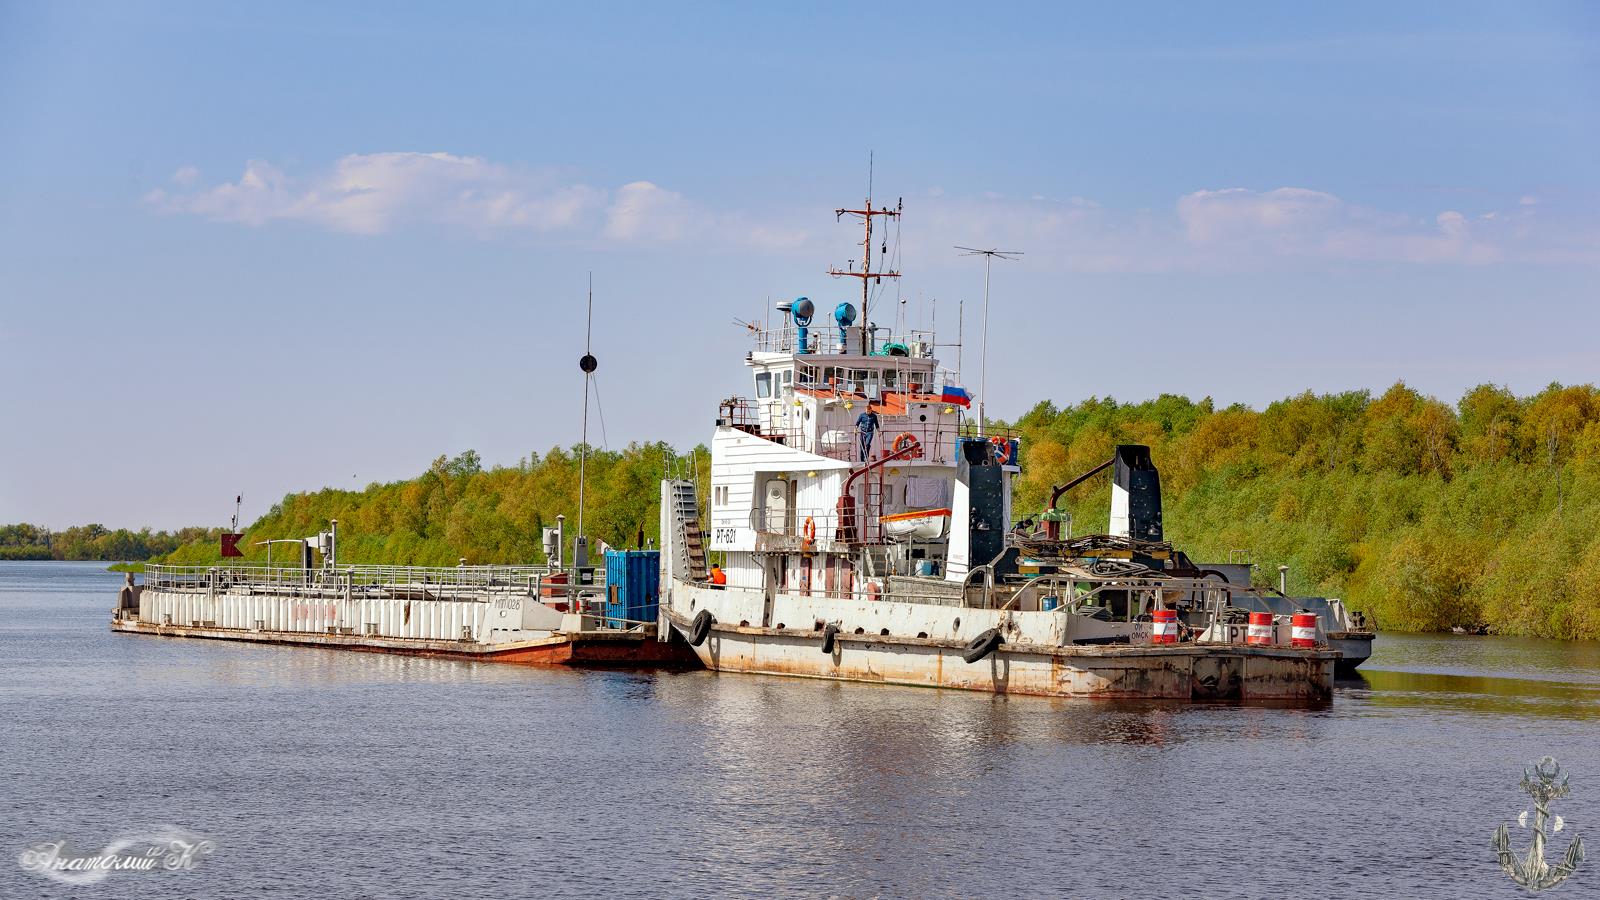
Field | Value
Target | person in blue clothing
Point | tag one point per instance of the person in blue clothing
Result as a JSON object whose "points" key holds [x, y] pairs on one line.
{"points": [[867, 427]]}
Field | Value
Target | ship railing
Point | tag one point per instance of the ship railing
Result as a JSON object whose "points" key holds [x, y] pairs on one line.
{"points": [[822, 339], [429, 580], [938, 437], [889, 374], [789, 529]]}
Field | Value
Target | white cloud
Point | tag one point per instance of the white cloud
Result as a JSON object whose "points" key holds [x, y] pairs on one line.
{"points": [[377, 192], [1239, 228], [1227, 228], [372, 193], [643, 210]]}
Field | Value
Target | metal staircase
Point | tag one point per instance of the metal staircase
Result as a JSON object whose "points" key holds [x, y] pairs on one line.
{"points": [[691, 548]]}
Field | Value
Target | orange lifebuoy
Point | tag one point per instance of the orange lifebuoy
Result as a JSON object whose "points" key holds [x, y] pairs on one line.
{"points": [[873, 590], [1002, 449], [907, 441], [810, 530]]}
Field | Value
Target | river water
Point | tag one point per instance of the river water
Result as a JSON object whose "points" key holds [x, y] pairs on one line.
{"points": [[319, 773]]}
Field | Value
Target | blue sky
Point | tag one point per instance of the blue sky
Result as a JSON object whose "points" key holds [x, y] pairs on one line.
{"points": [[272, 247]]}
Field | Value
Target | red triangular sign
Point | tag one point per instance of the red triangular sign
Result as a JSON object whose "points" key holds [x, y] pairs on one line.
{"points": [[230, 545]]}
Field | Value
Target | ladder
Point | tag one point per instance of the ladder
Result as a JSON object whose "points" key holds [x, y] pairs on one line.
{"points": [[871, 516], [691, 549]]}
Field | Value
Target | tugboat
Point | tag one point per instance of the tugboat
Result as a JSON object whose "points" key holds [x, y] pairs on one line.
{"points": [[865, 526]]}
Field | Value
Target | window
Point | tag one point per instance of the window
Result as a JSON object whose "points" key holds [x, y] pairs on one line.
{"points": [[788, 379], [764, 385], [890, 378]]}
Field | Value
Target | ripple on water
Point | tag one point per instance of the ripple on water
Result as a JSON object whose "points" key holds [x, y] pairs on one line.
{"points": [[320, 773]]}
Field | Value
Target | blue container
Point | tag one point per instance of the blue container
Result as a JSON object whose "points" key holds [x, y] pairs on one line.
{"points": [[1049, 603], [633, 587]]}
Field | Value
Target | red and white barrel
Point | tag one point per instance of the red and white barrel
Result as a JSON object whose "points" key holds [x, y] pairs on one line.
{"points": [[1164, 626], [1303, 631], [1260, 632]]}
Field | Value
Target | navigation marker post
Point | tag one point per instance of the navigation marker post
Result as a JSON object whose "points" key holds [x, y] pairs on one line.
{"points": [[230, 540], [580, 550]]}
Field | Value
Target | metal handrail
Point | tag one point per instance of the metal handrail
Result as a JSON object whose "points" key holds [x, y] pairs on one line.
{"points": [[444, 579]]}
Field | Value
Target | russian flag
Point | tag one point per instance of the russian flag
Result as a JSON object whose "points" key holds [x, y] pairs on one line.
{"points": [[955, 395]]}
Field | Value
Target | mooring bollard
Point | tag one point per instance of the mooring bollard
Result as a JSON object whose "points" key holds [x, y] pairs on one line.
{"points": [[1303, 631], [1164, 628], [1261, 630]]}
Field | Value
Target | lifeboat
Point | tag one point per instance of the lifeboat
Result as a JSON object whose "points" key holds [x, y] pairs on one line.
{"points": [[917, 524]]}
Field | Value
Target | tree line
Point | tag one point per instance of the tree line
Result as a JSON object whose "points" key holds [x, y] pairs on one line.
{"points": [[488, 516], [96, 542], [1421, 513]]}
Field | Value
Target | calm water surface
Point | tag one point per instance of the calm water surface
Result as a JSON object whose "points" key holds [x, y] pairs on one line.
{"points": [[326, 774]]}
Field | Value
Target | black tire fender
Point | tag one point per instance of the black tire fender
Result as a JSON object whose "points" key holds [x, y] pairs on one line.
{"points": [[701, 627], [828, 634], [983, 645]]}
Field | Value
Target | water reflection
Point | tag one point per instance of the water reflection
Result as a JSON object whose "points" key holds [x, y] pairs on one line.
{"points": [[1481, 694], [694, 783]]}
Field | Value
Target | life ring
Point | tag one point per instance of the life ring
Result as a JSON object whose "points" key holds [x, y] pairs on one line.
{"points": [[983, 645], [907, 441], [1002, 449], [700, 628], [810, 531], [828, 635], [873, 590]]}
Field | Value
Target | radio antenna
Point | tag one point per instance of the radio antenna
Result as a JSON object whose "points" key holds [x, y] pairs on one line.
{"points": [[989, 256]]}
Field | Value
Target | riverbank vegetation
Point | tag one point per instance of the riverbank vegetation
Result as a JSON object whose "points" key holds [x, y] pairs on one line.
{"points": [[1421, 513], [96, 542], [460, 509]]}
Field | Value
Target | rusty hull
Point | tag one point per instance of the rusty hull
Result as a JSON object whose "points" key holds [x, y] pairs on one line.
{"points": [[1191, 672], [620, 649]]}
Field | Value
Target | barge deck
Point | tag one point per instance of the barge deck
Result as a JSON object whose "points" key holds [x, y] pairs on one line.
{"points": [[490, 614]]}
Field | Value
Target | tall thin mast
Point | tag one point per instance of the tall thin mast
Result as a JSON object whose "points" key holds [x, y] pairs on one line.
{"points": [[588, 364], [866, 212]]}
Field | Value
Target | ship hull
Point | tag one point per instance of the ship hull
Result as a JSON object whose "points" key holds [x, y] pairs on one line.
{"points": [[1354, 649], [1026, 664], [621, 650]]}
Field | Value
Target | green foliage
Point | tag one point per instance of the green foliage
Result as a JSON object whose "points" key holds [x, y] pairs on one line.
{"points": [[460, 509], [95, 542], [1423, 515]]}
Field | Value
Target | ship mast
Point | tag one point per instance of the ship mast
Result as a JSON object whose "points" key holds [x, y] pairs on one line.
{"points": [[866, 212]]}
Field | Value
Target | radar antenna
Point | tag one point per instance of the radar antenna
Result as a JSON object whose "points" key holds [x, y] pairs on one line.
{"points": [[867, 276]]}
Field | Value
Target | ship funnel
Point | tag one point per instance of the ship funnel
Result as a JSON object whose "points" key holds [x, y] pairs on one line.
{"points": [[1135, 494], [801, 310], [844, 314]]}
